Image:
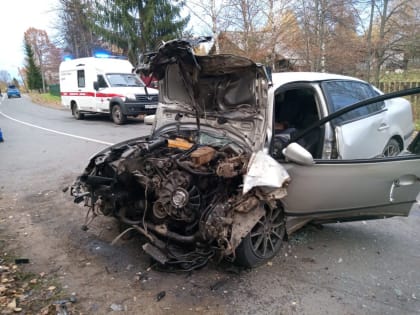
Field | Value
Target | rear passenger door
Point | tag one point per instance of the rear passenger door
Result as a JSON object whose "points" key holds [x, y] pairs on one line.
{"points": [[361, 133], [84, 98]]}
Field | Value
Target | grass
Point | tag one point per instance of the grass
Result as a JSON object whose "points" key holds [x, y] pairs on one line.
{"points": [[46, 99], [406, 76]]}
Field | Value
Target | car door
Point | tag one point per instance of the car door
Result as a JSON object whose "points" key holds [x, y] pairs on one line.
{"points": [[84, 98], [352, 189], [363, 132], [101, 97]]}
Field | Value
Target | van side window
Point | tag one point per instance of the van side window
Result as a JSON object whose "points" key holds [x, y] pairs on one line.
{"points": [[81, 78], [101, 81]]}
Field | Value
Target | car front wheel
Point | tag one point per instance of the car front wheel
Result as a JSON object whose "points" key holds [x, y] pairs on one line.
{"points": [[117, 115], [265, 239], [392, 148]]}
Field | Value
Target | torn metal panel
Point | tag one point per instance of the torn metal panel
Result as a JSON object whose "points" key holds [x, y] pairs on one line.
{"points": [[264, 171], [243, 223]]}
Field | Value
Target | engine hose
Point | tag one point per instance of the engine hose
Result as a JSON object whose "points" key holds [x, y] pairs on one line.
{"points": [[157, 144], [172, 235], [126, 220]]}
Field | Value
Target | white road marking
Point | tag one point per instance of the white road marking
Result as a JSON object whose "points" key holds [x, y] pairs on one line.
{"points": [[55, 131]]}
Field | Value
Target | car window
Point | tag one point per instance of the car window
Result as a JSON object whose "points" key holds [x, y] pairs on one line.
{"points": [[12, 87], [101, 81], [340, 94], [81, 78]]}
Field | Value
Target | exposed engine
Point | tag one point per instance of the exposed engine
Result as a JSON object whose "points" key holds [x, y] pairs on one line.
{"points": [[198, 187], [172, 189]]}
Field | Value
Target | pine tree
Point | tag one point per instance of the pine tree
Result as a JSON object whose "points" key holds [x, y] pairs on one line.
{"points": [[139, 26], [33, 73]]}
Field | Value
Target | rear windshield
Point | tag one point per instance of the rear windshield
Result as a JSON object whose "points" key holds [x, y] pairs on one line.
{"points": [[12, 87]]}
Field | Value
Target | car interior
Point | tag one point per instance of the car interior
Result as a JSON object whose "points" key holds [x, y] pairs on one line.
{"points": [[296, 109]]}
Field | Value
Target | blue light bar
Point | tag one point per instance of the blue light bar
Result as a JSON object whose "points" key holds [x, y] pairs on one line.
{"points": [[102, 55]]}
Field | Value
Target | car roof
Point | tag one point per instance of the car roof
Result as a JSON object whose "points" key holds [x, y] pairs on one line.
{"points": [[281, 78]]}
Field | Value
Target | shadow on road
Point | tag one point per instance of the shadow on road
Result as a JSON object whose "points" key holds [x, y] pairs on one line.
{"points": [[106, 118]]}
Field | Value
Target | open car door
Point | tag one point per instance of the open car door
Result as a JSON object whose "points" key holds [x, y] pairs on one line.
{"points": [[354, 189]]}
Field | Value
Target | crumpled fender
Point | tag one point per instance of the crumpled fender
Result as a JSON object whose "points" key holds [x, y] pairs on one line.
{"points": [[264, 171]]}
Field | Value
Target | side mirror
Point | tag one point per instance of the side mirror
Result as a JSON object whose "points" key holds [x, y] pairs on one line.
{"points": [[294, 152], [96, 85]]}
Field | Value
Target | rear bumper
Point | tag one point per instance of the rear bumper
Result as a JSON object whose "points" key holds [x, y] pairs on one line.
{"points": [[13, 94]]}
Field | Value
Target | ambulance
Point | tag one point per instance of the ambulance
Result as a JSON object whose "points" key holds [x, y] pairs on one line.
{"points": [[105, 85]]}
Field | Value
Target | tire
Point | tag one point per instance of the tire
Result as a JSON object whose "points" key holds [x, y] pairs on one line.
{"points": [[117, 115], [392, 148], [76, 113], [264, 241]]}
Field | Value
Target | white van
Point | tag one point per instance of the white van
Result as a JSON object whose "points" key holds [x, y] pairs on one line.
{"points": [[105, 85]]}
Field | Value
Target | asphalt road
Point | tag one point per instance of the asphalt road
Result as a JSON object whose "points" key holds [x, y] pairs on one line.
{"points": [[370, 267], [41, 140]]}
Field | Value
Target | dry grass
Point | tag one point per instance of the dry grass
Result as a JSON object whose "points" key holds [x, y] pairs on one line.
{"points": [[46, 99]]}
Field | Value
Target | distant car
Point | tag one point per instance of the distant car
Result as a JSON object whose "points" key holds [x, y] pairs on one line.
{"points": [[13, 91], [301, 98]]}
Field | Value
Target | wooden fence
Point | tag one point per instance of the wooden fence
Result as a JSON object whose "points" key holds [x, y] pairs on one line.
{"points": [[388, 87]]}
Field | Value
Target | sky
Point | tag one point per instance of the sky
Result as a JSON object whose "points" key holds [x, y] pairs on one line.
{"points": [[17, 16]]}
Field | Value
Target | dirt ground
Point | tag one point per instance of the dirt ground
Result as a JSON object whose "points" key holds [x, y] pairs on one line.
{"points": [[46, 227]]}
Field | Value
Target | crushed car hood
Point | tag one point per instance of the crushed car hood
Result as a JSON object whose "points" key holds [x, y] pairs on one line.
{"points": [[224, 92]]}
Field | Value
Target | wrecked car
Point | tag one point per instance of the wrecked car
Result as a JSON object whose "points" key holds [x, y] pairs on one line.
{"points": [[213, 182], [382, 128]]}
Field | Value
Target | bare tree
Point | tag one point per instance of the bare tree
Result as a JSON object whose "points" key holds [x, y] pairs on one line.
{"points": [[213, 14], [75, 30], [40, 43], [53, 60], [391, 20], [282, 34], [247, 17], [5, 77], [329, 30]]}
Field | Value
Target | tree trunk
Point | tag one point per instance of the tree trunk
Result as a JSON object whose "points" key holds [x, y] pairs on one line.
{"points": [[380, 51], [369, 41]]}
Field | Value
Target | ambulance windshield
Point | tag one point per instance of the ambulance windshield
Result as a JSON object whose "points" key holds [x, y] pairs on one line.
{"points": [[124, 79]]}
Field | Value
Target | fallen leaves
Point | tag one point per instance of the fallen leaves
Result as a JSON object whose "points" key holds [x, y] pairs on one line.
{"points": [[23, 292]]}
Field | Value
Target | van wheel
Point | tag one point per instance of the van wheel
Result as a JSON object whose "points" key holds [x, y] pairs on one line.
{"points": [[265, 239], [117, 115], [76, 113]]}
